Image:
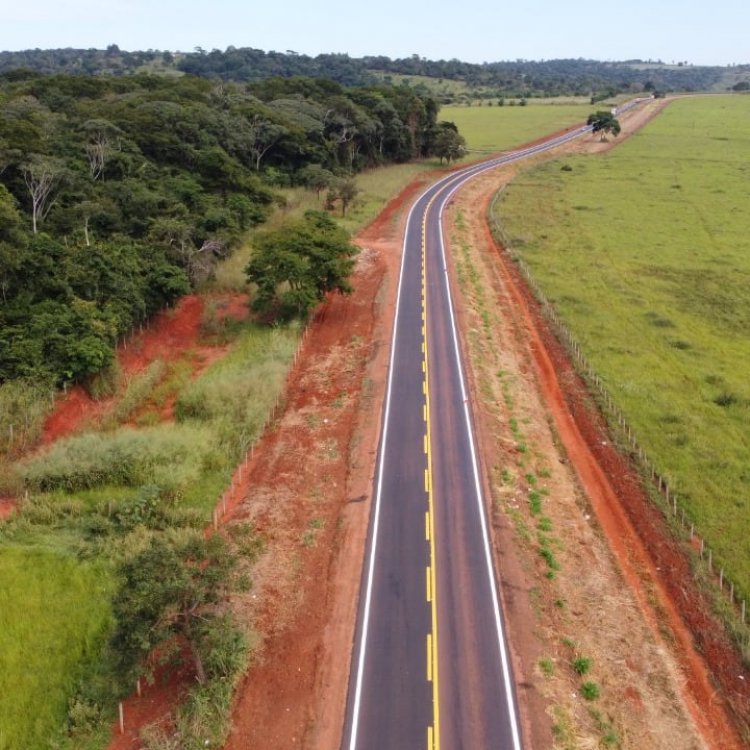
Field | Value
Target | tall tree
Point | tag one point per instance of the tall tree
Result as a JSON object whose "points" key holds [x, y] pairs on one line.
{"points": [[42, 175], [101, 136], [604, 122], [263, 136], [449, 144], [294, 267]]}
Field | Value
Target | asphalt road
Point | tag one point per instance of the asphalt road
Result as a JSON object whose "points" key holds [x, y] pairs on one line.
{"points": [[430, 667]]}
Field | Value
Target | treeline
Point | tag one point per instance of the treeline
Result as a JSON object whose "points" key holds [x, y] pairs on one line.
{"points": [[527, 78], [118, 194]]}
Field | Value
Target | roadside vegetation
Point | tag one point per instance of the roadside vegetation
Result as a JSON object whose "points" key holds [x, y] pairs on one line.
{"points": [[97, 503], [136, 490], [527, 491], [644, 253]]}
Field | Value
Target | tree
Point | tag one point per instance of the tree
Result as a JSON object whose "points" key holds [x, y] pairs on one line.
{"points": [[295, 266], [172, 587], [42, 175], [604, 122], [315, 177], [99, 137], [448, 143], [263, 135], [343, 189]]}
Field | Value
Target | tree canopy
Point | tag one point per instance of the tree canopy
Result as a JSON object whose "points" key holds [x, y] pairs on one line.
{"points": [[512, 78], [119, 194], [173, 587], [294, 267], [604, 122]]}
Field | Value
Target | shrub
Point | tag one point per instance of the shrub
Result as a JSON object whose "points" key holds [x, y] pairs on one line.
{"points": [[590, 691], [164, 455], [581, 665]]}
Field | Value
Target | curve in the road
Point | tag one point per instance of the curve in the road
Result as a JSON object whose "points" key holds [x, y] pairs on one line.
{"points": [[429, 566]]}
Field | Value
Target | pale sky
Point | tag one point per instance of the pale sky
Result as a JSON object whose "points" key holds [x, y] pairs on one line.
{"points": [[701, 32]]}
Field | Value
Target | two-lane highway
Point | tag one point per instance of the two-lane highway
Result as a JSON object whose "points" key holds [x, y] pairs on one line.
{"points": [[430, 664]]}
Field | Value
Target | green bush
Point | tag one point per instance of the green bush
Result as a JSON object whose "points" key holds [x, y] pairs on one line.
{"points": [[590, 691], [581, 665]]}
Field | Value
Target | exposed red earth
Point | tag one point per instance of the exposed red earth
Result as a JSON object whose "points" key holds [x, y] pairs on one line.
{"points": [[307, 490], [172, 334]]}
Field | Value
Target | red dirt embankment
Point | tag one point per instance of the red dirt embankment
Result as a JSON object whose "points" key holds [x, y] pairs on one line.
{"points": [[171, 335]]}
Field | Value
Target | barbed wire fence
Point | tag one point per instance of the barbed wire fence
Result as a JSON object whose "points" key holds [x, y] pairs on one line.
{"points": [[618, 422], [248, 444]]}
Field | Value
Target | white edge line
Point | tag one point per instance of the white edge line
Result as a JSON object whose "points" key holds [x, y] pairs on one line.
{"points": [[462, 178], [378, 493], [502, 643]]}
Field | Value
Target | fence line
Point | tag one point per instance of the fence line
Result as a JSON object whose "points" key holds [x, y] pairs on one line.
{"points": [[616, 416], [221, 508]]}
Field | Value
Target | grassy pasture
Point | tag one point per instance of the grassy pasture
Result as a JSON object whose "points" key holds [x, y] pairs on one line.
{"points": [[489, 129], [54, 613], [645, 252]]}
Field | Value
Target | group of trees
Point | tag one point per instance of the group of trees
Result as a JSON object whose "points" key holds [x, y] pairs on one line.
{"points": [[514, 78], [117, 194]]}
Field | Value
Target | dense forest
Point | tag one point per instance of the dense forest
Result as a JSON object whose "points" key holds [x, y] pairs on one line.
{"points": [[117, 194], [125, 176], [507, 78]]}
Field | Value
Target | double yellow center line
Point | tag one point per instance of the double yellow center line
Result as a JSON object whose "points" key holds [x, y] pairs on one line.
{"points": [[433, 732]]}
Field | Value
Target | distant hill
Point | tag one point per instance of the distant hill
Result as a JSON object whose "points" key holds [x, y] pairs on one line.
{"points": [[519, 78]]}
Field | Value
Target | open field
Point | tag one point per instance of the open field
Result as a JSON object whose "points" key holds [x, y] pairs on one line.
{"points": [[54, 612], [644, 251], [489, 129]]}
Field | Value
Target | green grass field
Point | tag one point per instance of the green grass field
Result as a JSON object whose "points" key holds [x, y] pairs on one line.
{"points": [[54, 612], [489, 129], [645, 252]]}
